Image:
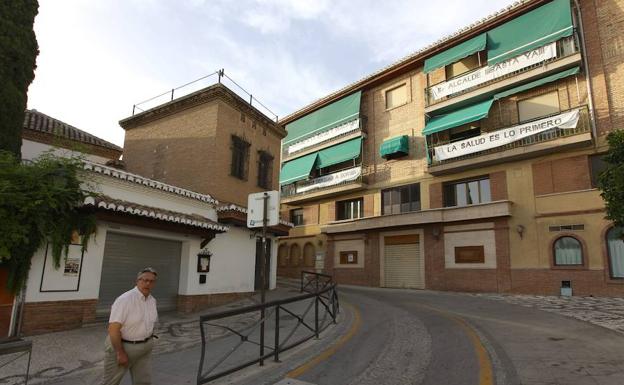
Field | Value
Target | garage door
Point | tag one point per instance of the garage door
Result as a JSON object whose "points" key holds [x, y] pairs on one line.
{"points": [[403, 264], [125, 255]]}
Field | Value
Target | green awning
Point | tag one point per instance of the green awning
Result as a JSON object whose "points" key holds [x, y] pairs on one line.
{"points": [[392, 146], [342, 152], [326, 118], [458, 117], [537, 83], [297, 169], [456, 53], [541, 26]]}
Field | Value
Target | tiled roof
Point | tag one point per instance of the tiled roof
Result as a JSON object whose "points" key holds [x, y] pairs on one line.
{"points": [[124, 175], [37, 121], [419, 54], [107, 203], [232, 207]]}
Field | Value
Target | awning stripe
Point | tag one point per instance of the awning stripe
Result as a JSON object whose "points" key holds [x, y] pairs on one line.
{"points": [[537, 83], [394, 146], [339, 153], [297, 169], [458, 117], [456, 53]]}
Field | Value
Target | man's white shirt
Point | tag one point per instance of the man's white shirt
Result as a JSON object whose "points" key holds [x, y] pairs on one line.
{"points": [[136, 314]]}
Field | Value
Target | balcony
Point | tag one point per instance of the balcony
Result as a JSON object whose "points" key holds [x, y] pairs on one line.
{"points": [[480, 211], [524, 148], [567, 55], [342, 133], [346, 180]]}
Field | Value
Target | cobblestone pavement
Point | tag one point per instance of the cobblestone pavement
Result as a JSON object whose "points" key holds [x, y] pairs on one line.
{"points": [[602, 311], [65, 353]]}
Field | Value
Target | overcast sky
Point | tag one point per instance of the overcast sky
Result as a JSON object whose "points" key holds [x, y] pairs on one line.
{"points": [[98, 58]]}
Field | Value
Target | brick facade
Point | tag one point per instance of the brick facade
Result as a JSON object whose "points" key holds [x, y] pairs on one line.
{"points": [[195, 135], [45, 317], [561, 175]]}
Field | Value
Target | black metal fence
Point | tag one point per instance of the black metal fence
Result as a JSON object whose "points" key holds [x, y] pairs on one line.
{"points": [[271, 328]]}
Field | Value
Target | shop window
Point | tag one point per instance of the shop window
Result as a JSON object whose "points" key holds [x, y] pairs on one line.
{"points": [[296, 217], [464, 132], [240, 158], [402, 199], [265, 169], [568, 251], [396, 96], [615, 249], [597, 165], [351, 209], [348, 257], [466, 64], [469, 254], [538, 106], [467, 192]]}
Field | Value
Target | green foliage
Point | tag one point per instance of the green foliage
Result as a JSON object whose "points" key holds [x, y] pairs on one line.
{"points": [[18, 51], [40, 202], [611, 180]]}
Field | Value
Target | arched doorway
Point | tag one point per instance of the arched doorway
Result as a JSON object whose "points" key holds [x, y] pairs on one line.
{"points": [[309, 254]]}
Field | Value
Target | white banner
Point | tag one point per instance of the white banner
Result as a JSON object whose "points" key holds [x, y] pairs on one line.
{"points": [[488, 73], [505, 136], [331, 179], [325, 135]]}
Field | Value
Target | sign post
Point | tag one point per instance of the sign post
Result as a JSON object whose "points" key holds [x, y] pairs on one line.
{"points": [[263, 210]]}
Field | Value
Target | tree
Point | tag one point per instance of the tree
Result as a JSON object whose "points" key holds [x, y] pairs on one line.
{"points": [[611, 180], [18, 53]]}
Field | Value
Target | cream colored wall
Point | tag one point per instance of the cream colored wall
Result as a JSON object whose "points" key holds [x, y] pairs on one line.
{"points": [[349, 245], [483, 238]]}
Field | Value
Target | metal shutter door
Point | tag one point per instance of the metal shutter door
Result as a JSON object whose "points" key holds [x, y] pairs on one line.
{"points": [[125, 255], [403, 264]]}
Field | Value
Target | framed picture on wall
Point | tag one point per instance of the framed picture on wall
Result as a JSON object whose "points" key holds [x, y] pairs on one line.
{"points": [[67, 276]]}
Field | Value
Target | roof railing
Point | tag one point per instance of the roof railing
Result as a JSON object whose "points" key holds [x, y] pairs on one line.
{"points": [[219, 77]]}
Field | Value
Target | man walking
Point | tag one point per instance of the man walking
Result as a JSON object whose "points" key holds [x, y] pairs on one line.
{"points": [[130, 333]]}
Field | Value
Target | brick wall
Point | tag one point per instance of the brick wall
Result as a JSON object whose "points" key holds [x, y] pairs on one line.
{"points": [[369, 205], [498, 185], [192, 303], [369, 275], [436, 199], [53, 316], [191, 148], [311, 215], [561, 175]]}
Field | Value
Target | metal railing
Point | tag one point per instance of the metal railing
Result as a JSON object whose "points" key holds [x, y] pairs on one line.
{"points": [[565, 47], [280, 325], [219, 77], [312, 282], [583, 126], [15, 348]]}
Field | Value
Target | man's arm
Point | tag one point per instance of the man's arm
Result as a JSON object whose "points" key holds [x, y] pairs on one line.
{"points": [[114, 331]]}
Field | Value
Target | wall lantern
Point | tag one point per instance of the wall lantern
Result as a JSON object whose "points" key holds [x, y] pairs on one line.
{"points": [[520, 229], [436, 232], [203, 261]]}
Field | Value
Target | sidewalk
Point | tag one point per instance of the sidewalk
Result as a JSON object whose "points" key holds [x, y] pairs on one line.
{"points": [[74, 356]]}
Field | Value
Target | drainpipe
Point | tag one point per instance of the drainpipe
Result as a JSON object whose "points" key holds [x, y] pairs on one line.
{"points": [[592, 116], [17, 315]]}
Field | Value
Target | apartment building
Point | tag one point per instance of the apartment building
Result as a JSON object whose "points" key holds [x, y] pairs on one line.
{"points": [[470, 165]]}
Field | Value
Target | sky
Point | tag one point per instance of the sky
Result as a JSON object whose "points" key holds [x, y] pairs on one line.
{"points": [[99, 58]]}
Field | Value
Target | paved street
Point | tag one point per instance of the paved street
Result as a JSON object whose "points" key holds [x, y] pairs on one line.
{"points": [[387, 336]]}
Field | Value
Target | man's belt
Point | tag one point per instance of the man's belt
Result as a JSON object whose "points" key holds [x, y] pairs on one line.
{"points": [[139, 341]]}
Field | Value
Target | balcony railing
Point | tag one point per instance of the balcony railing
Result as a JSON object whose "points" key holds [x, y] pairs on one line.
{"points": [[583, 126], [324, 182], [565, 47]]}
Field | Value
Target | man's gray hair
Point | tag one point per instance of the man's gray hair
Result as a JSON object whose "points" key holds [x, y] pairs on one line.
{"points": [[147, 270]]}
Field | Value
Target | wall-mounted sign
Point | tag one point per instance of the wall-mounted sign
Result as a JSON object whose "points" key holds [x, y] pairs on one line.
{"points": [[508, 135], [330, 180], [325, 136], [488, 73]]}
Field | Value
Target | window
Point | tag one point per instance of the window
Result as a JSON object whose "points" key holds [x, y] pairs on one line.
{"points": [[568, 252], [351, 209], [348, 257], [615, 249], [464, 132], [401, 199], [296, 217], [538, 106], [265, 169], [468, 192], [469, 254], [597, 165], [240, 157], [466, 64], [566, 228], [396, 96]]}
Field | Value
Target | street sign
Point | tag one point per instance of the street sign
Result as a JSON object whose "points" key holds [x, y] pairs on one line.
{"points": [[255, 209]]}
